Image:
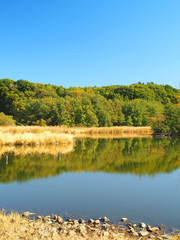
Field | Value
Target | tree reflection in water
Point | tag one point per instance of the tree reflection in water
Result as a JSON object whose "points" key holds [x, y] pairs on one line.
{"points": [[134, 155]]}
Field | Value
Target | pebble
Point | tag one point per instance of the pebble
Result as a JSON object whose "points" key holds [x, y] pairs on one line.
{"points": [[142, 225], [28, 214], [72, 227], [81, 221], [104, 219], [124, 219], [97, 222], [90, 221], [143, 233], [153, 229]]}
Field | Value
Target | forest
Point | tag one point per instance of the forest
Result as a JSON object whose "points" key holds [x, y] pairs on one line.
{"points": [[26, 103]]}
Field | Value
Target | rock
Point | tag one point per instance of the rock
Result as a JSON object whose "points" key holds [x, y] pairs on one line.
{"points": [[143, 233], [131, 229], [104, 220], [124, 219], [166, 236], [135, 234], [153, 229], [105, 227], [90, 221], [134, 225], [96, 222], [39, 217], [59, 219], [70, 220], [46, 220], [142, 225], [28, 214], [65, 223], [81, 221], [129, 225]]}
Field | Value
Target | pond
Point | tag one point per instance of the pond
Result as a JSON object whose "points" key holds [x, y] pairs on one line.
{"points": [[137, 178]]}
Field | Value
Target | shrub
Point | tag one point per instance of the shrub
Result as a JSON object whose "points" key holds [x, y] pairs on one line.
{"points": [[6, 120]]}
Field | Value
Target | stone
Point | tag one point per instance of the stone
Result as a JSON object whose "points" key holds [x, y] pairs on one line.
{"points": [[28, 214], [97, 222], [131, 230], [81, 221], [70, 220], [142, 225], [143, 233], [90, 221], [104, 227], [134, 225], [135, 234], [104, 220], [113, 228], [124, 219], [166, 236], [59, 219], [129, 225], [153, 229]]}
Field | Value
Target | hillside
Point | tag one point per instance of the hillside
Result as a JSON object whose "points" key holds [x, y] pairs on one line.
{"points": [[135, 105]]}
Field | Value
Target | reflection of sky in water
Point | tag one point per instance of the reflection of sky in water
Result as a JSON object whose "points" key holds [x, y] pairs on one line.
{"points": [[154, 200]]}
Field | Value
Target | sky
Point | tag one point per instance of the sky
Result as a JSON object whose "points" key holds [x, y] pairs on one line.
{"points": [[77, 43]]}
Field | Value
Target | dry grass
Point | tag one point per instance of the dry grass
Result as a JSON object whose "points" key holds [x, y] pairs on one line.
{"points": [[118, 135], [33, 139], [35, 135], [79, 130], [14, 227]]}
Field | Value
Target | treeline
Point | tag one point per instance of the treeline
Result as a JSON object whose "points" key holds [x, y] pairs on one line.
{"points": [[135, 105]]}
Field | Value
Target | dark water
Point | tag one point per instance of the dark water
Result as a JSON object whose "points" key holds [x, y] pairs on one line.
{"points": [[134, 178]]}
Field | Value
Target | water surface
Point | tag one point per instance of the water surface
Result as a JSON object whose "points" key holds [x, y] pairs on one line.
{"points": [[134, 178]]}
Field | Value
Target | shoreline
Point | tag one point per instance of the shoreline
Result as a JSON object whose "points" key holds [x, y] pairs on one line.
{"points": [[30, 226]]}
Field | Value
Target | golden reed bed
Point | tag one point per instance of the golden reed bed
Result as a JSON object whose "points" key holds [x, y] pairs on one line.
{"points": [[36, 135], [35, 139], [78, 130]]}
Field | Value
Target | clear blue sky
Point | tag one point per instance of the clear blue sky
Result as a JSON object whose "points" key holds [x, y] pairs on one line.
{"points": [[90, 42]]}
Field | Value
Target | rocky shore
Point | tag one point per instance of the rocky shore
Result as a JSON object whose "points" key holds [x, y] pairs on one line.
{"points": [[29, 226]]}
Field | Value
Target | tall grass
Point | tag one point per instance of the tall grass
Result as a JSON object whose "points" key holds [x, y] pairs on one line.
{"points": [[36, 135], [79, 130], [34, 139]]}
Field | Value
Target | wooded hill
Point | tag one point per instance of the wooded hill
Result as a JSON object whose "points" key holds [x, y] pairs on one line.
{"points": [[45, 104]]}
